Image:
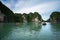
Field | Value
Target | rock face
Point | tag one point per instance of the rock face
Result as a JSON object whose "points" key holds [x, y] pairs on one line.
{"points": [[55, 17], [37, 17], [1, 17], [31, 17], [8, 14]]}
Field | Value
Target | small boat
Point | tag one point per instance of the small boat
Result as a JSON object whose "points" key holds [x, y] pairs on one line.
{"points": [[44, 23]]}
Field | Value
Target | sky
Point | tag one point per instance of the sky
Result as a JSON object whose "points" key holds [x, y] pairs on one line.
{"points": [[43, 7]]}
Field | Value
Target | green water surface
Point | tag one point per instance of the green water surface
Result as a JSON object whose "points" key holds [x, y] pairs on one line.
{"points": [[29, 31]]}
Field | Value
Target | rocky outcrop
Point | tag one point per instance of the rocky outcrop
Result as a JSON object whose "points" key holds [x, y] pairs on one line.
{"points": [[1, 17], [31, 17], [55, 17], [9, 15]]}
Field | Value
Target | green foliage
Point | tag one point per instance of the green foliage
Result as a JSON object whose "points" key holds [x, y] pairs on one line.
{"points": [[9, 15], [18, 18], [30, 17], [5, 10], [36, 14], [55, 16]]}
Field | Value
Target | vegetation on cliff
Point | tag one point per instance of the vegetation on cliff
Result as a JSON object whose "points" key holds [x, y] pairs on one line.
{"points": [[54, 17], [30, 17], [8, 14], [18, 17]]}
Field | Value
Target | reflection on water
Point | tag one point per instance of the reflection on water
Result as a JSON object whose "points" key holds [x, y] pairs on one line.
{"points": [[29, 31]]}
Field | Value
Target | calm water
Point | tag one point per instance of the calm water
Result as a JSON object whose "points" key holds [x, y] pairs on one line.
{"points": [[29, 31]]}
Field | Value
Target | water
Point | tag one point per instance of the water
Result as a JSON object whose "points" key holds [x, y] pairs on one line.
{"points": [[29, 31]]}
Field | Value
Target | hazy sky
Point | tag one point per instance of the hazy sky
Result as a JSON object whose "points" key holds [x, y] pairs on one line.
{"points": [[44, 7]]}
